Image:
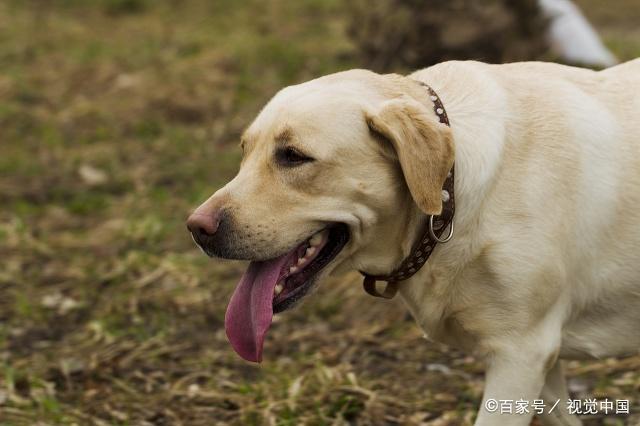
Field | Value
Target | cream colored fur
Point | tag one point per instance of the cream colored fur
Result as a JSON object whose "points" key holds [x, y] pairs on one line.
{"points": [[545, 260]]}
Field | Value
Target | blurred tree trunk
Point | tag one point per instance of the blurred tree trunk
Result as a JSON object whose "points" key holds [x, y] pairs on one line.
{"points": [[410, 34]]}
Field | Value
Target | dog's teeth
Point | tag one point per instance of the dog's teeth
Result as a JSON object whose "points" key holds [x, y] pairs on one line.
{"points": [[293, 269], [301, 261], [278, 288], [316, 239], [310, 252]]}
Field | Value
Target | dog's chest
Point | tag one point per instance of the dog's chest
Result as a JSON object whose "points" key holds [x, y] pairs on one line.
{"points": [[446, 328], [435, 311]]}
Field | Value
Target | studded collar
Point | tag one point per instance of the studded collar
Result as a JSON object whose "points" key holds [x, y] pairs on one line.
{"points": [[431, 236]]}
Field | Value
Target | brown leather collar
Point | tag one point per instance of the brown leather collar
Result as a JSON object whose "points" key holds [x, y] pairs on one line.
{"points": [[434, 228]]}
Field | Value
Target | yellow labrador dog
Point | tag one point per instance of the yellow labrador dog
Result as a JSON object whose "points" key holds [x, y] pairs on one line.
{"points": [[341, 173]]}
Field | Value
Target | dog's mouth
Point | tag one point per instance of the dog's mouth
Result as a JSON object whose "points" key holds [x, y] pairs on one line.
{"points": [[275, 285], [305, 264]]}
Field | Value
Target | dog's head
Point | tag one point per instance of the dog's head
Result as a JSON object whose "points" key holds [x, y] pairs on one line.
{"points": [[334, 174]]}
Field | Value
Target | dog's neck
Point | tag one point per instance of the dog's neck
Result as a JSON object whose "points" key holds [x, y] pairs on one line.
{"points": [[472, 118], [433, 230], [474, 169]]}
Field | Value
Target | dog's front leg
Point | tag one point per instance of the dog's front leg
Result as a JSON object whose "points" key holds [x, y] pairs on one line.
{"points": [[514, 373], [555, 389]]}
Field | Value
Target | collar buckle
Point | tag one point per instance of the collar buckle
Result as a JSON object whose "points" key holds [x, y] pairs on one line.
{"points": [[435, 237]]}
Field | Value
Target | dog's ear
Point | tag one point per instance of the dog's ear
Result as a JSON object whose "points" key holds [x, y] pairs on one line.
{"points": [[424, 147]]}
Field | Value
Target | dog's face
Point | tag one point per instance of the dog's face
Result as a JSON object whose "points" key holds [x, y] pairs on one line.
{"points": [[331, 175]]}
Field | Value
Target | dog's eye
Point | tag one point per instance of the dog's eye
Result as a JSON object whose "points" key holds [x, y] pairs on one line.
{"points": [[289, 156]]}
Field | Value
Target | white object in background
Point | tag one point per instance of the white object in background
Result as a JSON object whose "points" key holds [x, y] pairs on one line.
{"points": [[572, 37]]}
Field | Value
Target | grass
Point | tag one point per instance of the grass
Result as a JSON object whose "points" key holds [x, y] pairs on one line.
{"points": [[116, 118]]}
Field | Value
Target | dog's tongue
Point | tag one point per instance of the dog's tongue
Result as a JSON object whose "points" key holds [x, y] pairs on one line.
{"points": [[250, 310]]}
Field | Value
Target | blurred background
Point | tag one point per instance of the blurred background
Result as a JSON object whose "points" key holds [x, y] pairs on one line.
{"points": [[117, 117]]}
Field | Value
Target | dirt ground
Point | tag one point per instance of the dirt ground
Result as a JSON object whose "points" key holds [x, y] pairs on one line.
{"points": [[116, 118]]}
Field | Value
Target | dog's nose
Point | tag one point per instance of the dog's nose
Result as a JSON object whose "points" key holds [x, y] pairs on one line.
{"points": [[202, 224]]}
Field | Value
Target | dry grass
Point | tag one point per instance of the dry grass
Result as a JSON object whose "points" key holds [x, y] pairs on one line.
{"points": [[116, 118]]}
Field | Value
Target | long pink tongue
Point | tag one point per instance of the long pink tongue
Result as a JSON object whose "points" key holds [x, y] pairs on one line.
{"points": [[250, 310]]}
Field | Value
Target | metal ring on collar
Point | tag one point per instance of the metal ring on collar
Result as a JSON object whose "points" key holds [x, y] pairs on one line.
{"points": [[433, 235]]}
